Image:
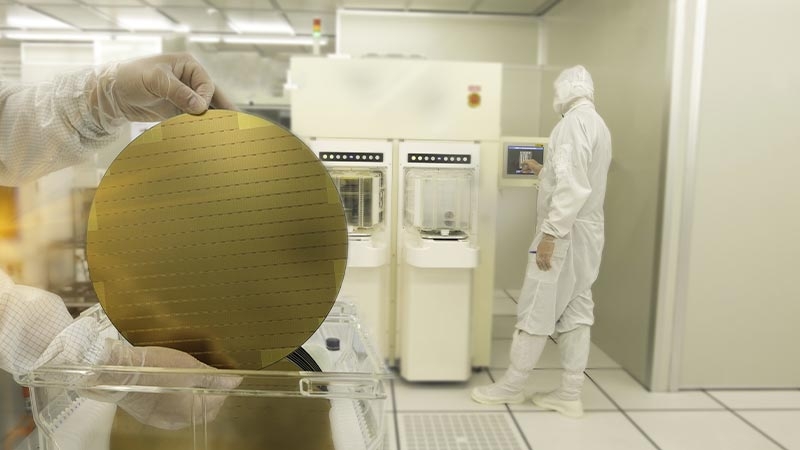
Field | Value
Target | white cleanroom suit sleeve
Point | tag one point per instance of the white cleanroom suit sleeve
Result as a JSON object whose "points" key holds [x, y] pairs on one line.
{"points": [[571, 159], [50, 126], [35, 327], [43, 128], [47, 127]]}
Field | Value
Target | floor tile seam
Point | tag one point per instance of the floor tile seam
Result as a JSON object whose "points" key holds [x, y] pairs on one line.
{"points": [[519, 428], [538, 369], [763, 389], [510, 296], [751, 425], [674, 410], [627, 416], [775, 409], [513, 419], [547, 411], [394, 416], [662, 409], [453, 411]]}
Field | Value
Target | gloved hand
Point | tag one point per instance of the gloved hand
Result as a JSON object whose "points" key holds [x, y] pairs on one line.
{"points": [[167, 411], [531, 165], [544, 252], [151, 89]]}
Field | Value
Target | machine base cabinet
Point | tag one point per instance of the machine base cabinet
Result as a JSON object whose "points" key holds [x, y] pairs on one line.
{"points": [[434, 324]]}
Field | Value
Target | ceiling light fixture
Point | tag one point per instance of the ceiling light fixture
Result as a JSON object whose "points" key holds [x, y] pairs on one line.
{"points": [[36, 23], [257, 40], [205, 38], [28, 36]]}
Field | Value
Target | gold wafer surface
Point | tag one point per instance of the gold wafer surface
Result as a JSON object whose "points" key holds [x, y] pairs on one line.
{"points": [[220, 235]]}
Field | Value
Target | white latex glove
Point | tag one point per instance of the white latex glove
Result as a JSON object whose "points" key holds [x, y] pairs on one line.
{"points": [[531, 165], [153, 88], [166, 411], [544, 252]]}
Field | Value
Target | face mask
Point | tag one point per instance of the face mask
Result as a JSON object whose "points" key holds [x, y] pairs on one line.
{"points": [[562, 91]]}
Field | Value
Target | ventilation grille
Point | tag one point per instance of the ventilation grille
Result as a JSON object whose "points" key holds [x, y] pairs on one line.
{"points": [[458, 431]]}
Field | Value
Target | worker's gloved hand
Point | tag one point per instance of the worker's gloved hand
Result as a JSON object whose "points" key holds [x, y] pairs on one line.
{"points": [[151, 89], [531, 166], [544, 252], [165, 410]]}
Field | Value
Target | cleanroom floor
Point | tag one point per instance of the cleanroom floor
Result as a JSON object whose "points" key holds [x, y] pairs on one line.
{"points": [[620, 413]]}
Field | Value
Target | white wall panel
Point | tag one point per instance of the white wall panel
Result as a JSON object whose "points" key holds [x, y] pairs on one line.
{"points": [[742, 296]]}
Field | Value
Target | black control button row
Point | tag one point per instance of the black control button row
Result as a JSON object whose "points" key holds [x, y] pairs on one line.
{"points": [[351, 156], [436, 158]]}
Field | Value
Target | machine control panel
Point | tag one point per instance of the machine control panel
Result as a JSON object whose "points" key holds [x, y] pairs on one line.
{"points": [[354, 157], [515, 151], [437, 158]]}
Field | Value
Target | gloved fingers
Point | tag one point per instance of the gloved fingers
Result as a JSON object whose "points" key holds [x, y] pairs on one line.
{"points": [[543, 261], [544, 253], [222, 382], [162, 83], [165, 411], [212, 407], [172, 411], [221, 101], [197, 79]]}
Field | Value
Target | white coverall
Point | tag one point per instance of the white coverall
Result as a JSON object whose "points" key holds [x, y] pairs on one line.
{"points": [[572, 187]]}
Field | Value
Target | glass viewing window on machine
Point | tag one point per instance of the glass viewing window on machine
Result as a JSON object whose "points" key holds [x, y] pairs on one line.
{"points": [[362, 193], [438, 202]]}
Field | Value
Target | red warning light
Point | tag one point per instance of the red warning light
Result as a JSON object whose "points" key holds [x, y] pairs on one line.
{"points": [[317, 26]]}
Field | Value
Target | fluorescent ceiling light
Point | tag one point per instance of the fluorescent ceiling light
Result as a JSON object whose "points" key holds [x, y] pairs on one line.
{"points": [[142, 23], [137, 37], [204, 38], [28, 36], [299, 40], [259, 23], [21, 17], [261, 27]]}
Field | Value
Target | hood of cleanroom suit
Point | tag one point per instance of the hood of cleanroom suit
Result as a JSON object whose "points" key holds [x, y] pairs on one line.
{"points": [[572, 85]]}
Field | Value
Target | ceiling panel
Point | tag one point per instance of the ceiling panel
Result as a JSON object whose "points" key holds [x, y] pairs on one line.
{"points": [[442, 5], [142, 18], [46, 2], [193, 3], [309, 5], [113, 3], [17, 16], [80, 16], [260, 22], [303, 22], [510, 6], [198, 19], [374, 4], [242, 4]]}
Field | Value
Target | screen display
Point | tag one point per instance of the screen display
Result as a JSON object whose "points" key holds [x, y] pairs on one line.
{"points": [[516, 154]]}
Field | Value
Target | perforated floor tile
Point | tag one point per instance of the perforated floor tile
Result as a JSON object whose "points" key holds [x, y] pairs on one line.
{"points": [[459, 431]]}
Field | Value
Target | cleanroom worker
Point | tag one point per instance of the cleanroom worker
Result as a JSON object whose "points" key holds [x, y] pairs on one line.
{"points": [[50, 126], [564, 259]]}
